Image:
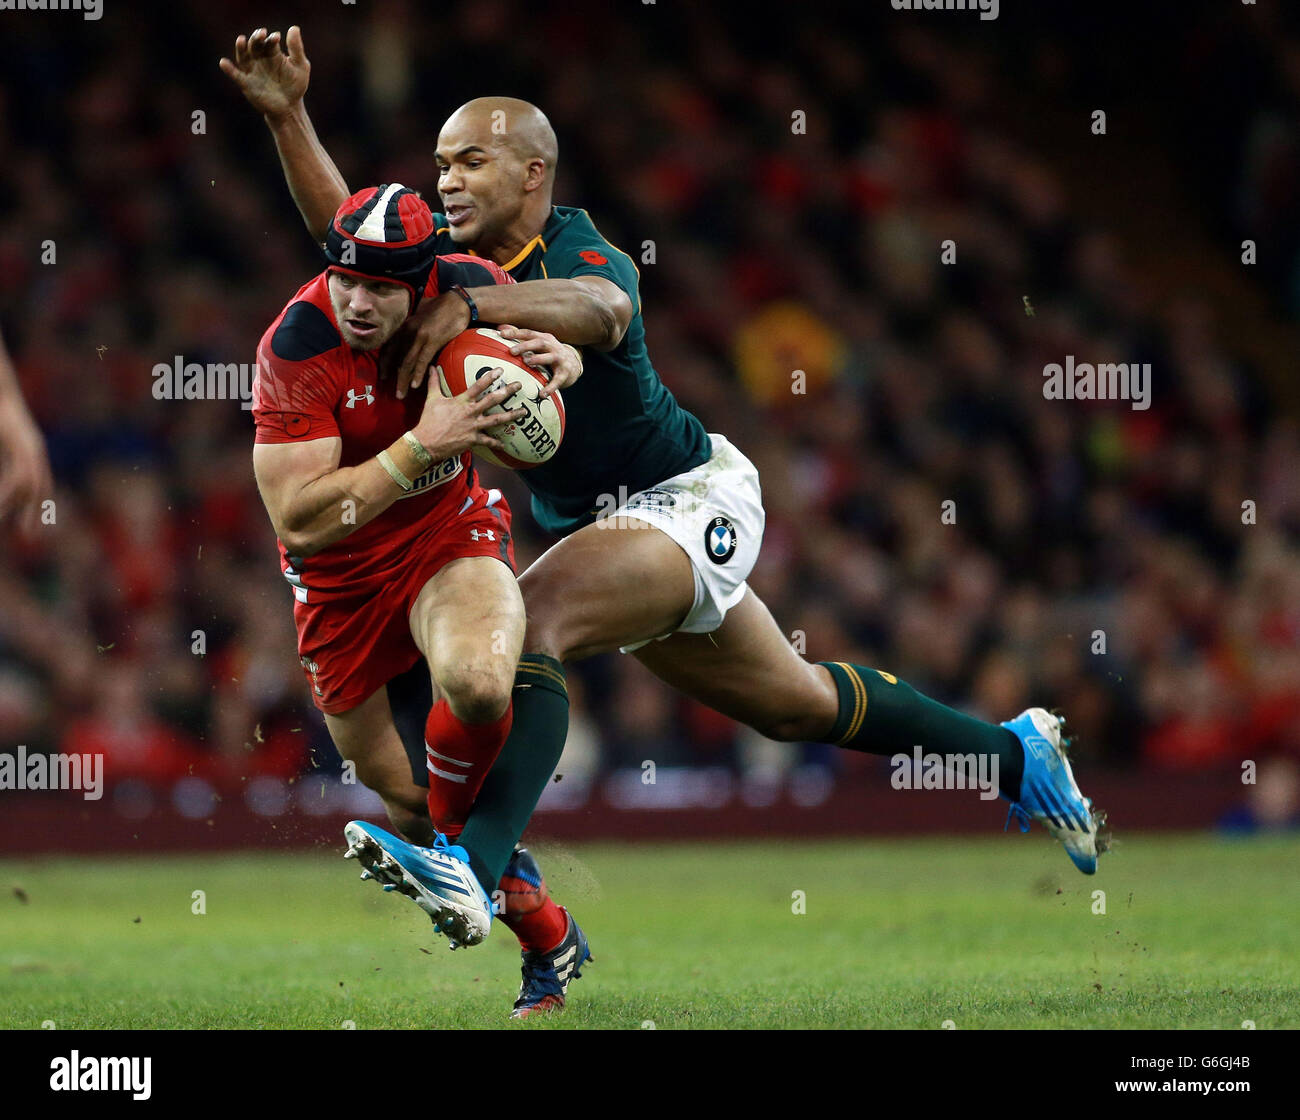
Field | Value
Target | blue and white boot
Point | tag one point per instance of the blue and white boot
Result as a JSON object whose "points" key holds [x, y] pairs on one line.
{"points": [[437, 879], [1048, 791]]}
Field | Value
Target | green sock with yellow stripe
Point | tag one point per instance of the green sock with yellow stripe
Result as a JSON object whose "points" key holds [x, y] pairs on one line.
{"points": [[880, 714], [522, 770]]}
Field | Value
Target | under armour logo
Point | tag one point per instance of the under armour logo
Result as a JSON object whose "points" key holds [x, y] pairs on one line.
{"points": [[354, 396], [483, 534]]}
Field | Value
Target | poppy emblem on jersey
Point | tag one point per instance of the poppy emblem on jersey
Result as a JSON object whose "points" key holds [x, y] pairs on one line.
{"points": [[593, 257], [297, 425], [720, 540]]}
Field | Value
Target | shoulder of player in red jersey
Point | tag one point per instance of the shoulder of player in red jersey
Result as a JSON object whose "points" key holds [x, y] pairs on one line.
{"points": [[301, 369]]}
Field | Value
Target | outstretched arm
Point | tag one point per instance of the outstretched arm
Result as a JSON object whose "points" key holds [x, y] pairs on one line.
{"points": [[275, 83]]}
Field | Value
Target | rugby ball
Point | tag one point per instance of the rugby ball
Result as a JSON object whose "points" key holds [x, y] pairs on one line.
{"points": [[528, 442]]}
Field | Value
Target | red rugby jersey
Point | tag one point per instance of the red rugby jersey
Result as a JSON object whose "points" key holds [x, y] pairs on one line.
{"points": [[311, 385]]}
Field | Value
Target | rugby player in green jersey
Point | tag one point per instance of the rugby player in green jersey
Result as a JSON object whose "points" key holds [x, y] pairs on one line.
{"points": [[660, 522]]}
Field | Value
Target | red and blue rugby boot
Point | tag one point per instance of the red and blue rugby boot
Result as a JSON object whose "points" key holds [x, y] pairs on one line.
{"points": [[546, 976]]}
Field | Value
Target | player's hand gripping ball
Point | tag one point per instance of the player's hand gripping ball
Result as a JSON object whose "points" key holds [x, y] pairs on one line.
{"points": [[528, 442]]}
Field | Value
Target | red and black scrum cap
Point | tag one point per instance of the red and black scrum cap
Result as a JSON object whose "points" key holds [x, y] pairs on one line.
{"points": [[384, 233]]}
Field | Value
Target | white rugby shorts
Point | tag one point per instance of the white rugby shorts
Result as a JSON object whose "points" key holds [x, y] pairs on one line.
{"points": [[715, 514]]}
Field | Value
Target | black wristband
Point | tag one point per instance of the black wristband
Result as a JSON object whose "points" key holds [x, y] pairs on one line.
{"points": [[469, 299]]}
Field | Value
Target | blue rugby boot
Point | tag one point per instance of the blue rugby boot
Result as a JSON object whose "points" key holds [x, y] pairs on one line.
{"points": [[547, 975], [437, 879], [1048, 792]]}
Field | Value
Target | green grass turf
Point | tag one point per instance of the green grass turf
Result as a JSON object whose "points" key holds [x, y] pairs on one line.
{"points": [[997, 932]]}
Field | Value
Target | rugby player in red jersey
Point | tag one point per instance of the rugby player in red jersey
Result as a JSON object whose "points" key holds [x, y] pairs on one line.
{"points": [[392, 548], [687, 521]]}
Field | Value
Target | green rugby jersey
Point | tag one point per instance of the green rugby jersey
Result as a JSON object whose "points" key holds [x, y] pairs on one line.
{"points": [[624, 431]]}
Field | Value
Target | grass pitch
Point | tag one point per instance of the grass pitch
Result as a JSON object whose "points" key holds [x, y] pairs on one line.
{"points": [[991, 933]]}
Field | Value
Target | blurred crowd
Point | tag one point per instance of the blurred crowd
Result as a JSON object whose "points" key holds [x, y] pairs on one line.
{"points": [[1140, 569]]}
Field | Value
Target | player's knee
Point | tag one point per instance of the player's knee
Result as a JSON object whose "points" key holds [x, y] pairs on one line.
{"points": [[794, 721], [479, 704], [802, 712], [478, 693], [788, 729]]}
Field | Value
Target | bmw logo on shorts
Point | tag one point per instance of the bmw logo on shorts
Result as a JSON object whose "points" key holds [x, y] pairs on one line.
{"points": [[720, 540]]}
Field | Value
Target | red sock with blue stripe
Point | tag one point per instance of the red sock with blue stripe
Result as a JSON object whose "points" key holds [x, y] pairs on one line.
{"points": [[526, 907]]}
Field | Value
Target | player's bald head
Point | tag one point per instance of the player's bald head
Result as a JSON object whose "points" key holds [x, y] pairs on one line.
{"points": [[496, 170], [504, 124]]}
